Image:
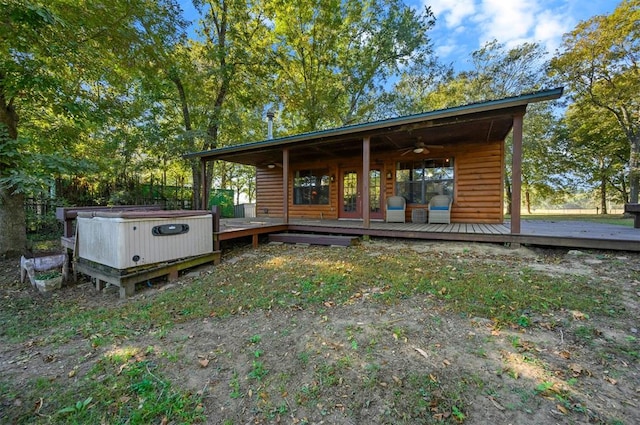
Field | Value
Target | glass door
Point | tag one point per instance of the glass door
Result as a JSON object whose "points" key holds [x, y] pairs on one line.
{"points": [[350, 205], [375, 198]]}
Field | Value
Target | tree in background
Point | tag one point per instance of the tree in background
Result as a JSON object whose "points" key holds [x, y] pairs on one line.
{"points": [[64, 70], [334, 57], [599, 63], [596, 151], [496, 72]]}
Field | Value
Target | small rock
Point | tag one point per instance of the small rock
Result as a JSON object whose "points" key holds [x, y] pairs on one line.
{"points": [[634, 330], [575, 252]]}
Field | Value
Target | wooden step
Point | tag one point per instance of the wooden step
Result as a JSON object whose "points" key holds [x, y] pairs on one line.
{"points": [[312, 239]]}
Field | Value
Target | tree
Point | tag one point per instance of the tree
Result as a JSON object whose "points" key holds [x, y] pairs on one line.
{"points": [[222, 70], [497, 72], [597, 152], [333, 57], [598, 60], [64, 61]]}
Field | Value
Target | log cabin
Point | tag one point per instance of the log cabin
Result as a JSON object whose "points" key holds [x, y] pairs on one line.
{"points": [[348, 173]]}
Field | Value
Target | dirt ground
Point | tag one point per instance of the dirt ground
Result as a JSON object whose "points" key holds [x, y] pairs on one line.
{"points": [[496, 373]]}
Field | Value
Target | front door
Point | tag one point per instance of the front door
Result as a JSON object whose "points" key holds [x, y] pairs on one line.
{"points": [[351, 190], [350, 199]]}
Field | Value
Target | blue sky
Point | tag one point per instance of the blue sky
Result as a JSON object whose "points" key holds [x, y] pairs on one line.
{"points": [[463, 26]]}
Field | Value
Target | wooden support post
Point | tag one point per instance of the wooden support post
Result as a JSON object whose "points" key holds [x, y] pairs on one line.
{"points": [[516, 175], [100, 284], [366, 168], [215, 212], [127, 289], [173, 274], [285, 185], [205, 189]]}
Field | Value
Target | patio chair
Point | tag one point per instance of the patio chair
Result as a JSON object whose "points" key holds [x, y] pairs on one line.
{"points": [[440, 209], [396, 206]]}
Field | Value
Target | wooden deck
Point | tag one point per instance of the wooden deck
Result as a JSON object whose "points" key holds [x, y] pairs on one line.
{"points": [[568, 234]]}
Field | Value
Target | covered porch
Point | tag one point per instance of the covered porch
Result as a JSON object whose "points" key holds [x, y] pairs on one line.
{"points": [[350, 173]]}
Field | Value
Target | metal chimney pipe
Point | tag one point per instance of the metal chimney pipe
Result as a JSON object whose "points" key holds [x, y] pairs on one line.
{"points": [[270, 115]]}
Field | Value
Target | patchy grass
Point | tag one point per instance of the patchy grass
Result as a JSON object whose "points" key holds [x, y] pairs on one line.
{"points": [[320, 278], [122, 387], [130, 362]]}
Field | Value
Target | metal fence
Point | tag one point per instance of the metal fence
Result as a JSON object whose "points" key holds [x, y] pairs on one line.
{"points": [[41, 222]]}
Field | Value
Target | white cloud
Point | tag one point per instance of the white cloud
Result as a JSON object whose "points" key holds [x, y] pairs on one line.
{"points": [[452, 12], [506, 21], [550, 28], [463, 26]]}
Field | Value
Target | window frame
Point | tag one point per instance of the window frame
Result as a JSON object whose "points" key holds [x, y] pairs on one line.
{"points": [[407, 178], [306, 181]]}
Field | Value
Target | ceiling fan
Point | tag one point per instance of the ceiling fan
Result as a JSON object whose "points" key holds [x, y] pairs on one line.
{"points": [[420, 147]]}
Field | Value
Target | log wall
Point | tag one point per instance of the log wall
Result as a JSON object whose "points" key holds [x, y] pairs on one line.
{"points": [[478, 196]]}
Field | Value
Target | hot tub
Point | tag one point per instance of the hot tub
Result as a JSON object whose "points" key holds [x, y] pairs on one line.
{"points": [[128, 239]]}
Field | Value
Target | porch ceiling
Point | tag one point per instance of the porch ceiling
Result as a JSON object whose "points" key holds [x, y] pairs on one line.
{"points": [[483, 122], [391, 140]]}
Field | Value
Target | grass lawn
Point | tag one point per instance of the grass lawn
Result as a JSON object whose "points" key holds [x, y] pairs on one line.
{"points": [[384, 332], [596, 218]]}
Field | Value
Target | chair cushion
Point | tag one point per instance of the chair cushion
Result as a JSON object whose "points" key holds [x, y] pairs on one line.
{"points": [[444, 208], [395, 208]]}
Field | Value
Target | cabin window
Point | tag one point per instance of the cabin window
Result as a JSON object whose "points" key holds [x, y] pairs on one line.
{"points": [[311, 187], [419, 181]]}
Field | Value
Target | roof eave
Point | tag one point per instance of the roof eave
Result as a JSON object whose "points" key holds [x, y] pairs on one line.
{"points": [[505, 103]]}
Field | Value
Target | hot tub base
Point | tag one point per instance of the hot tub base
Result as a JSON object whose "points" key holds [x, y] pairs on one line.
{"points": [[126, 280]]}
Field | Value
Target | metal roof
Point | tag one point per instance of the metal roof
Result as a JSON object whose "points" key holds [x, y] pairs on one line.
{"points": [[490, 120]]}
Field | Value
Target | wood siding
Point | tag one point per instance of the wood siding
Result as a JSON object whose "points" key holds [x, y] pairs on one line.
{"points": [[478, 196], [268, 192]]}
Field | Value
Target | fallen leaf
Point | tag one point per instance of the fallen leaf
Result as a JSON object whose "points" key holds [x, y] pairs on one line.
{"points": [[164, 420], [496, 404], [71, 373], [565, 354], [38, 405], [204, 362], [578, 315], [446, 362], [610, 380], [422, 352], [577, 370], [562, 409]]}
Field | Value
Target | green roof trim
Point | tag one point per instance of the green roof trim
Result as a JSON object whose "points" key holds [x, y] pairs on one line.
{"points": [[507, 102]]}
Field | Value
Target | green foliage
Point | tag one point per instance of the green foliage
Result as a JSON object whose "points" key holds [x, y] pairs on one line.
{"points": [[598, 62], [79, 407], [333, 57]]}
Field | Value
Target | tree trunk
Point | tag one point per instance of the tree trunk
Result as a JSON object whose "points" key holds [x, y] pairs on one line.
{"points": [[13, 228], [196, 200], [527, 197], [13, 236], [603, 190], [634, 170]]}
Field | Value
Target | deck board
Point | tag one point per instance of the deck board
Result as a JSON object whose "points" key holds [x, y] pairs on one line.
{"points": [[571, 234]]}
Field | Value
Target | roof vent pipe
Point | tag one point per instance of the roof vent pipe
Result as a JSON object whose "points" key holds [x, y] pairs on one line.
{"points": [[270, 115]]}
